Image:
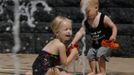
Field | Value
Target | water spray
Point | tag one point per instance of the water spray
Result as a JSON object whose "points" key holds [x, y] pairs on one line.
{"points": [[84, 4], [30, 15], [16, 31], [16, 46]]}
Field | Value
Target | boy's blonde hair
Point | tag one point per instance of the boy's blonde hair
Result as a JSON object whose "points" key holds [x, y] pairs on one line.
{"points": [[93, 3], [89, 3], [56, 23]]}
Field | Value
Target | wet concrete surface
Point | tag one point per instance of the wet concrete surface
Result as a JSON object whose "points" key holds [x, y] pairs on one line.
{"points": [[116, 65]]}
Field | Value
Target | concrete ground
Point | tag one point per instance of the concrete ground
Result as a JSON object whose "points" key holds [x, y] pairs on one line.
{"points": [[116, 66]]}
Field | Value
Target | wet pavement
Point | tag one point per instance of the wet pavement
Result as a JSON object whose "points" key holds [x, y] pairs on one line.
{"points": [[116, 66]]}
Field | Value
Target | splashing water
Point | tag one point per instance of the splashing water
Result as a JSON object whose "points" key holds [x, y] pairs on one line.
{"points": [[16, 47], [47, 8], [1, 9], [30, 18], [84, 4], [16, 26]]}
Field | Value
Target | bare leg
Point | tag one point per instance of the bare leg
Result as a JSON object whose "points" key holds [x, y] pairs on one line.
{"points": [[102, 66], [92, 65], [53, 71]]}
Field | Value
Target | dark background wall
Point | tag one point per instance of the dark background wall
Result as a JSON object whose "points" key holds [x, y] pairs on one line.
{"points": [[33, 39]]}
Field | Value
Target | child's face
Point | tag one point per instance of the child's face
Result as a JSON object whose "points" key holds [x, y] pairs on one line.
{"points": [[91, 12], [65, 31]]}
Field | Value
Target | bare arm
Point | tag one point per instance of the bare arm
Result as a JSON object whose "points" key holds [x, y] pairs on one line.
{"points": [[63, 57], [79, 35], [72, 55], [62, 53], [108, 22]]}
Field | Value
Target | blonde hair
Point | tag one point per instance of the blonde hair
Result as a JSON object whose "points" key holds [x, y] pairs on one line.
{"points": [[56, 23], [89, 3], [93, 3]]}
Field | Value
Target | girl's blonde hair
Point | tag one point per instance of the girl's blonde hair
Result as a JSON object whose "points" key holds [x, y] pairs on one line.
{"points": [[57, 22]]}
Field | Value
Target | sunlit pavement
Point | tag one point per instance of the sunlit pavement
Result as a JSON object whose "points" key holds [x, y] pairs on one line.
{"points": [[116, 66]]}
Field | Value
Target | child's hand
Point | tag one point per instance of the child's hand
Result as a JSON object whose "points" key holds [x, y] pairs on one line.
{"points": [[77, 57], [73, 48], [74, 51], [112, 38], [75, 54], [70, 44]]}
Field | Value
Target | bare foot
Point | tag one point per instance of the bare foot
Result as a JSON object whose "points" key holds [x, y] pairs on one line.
{"points": [[64, 73], [101, 74], [28, 73], [92, 73]]}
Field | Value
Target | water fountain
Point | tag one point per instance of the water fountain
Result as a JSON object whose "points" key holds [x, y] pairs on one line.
{"points": [[17, 41], [83, 8], [16, 31], [16, 47], [33, 3], [16, 26]]}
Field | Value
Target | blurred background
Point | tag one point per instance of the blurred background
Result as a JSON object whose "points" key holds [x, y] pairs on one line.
{"points": [[34, 12]]}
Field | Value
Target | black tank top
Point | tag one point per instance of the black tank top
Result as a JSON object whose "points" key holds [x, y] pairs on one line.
{"points": [[99, 33]]}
